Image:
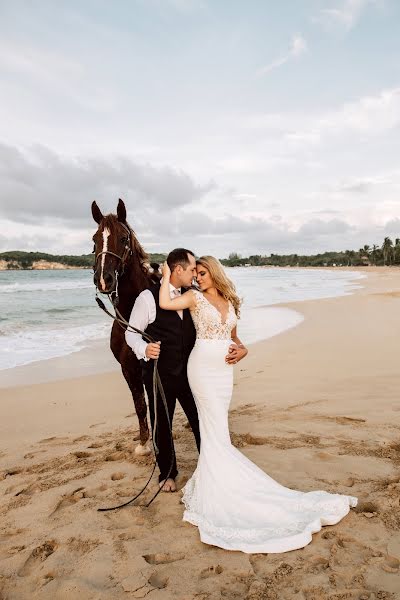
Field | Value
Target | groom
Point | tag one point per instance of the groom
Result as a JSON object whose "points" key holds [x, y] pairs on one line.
{"points": [[176, 334]]}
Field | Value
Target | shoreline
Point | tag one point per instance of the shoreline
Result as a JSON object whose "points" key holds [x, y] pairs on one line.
{"points": [[96, 356], [338, 268], [315, 407]]}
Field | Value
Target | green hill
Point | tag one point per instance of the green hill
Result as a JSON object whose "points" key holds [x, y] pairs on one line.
{"points": [[17, 259]]}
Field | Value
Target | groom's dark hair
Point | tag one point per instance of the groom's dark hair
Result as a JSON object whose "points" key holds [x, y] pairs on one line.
{"points": [[179, 256]]}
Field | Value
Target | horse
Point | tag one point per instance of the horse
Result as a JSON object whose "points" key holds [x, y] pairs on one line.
{"points": [[121, 271]]}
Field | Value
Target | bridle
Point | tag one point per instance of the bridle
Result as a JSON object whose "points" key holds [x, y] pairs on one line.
{"points": [[127, 253]]}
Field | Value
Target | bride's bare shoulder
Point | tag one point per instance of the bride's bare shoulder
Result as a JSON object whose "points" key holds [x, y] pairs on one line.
{"points": [[196, 294]]}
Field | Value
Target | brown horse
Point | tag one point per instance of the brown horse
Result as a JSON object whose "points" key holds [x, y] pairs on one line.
{"points": [[120, 270]]}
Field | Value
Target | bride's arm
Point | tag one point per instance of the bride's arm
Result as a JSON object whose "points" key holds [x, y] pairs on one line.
{"points": [[237, 350], [187, 300]]}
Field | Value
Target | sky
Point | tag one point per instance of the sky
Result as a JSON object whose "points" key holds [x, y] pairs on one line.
{"points": [[226, 126]]}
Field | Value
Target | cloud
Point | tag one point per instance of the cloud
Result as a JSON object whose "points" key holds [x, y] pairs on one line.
{"points": [[392, 227], [298, 47], [358, 187], [181, 6], [162, 230], [54, 73], [40, 184], [316, 228], [368, 115], [345, 15]]}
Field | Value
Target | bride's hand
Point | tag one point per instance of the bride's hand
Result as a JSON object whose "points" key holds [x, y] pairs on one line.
{"points": [[235, 353], [166, 271]]}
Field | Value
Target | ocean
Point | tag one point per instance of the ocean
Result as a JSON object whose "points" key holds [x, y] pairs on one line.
{"points": [[47, 314]]}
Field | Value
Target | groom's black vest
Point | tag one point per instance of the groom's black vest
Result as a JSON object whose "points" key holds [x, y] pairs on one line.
{"points": [[177, 337]]}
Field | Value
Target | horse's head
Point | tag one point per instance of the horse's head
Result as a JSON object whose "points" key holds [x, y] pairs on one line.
{"points": [[114, 244]]}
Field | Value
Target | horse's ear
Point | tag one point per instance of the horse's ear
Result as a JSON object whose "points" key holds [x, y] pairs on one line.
{"points": [[121, 211], [96, 212]]}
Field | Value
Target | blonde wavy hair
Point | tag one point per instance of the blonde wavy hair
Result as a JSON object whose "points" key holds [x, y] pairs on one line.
{"points": [[220, 281]]}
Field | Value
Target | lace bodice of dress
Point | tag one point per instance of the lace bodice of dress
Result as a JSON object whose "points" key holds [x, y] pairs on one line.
{"points": [[208, 321]]}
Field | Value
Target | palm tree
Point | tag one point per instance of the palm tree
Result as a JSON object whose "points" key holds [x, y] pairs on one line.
{"points": [[396, 251], [374, 252], [387, 249], [364, 254], [350, 256]]}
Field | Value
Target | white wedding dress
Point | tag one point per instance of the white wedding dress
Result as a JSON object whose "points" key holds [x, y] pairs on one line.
{"points": [[235, 504]]}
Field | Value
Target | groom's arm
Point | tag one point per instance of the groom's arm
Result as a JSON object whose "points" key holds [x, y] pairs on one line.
{"points": [[143, 313]]}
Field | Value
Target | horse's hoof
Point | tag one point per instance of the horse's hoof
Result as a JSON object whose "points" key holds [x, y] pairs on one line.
{"points": [[142, 450]]}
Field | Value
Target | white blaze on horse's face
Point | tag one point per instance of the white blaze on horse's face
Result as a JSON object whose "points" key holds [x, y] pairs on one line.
{"points": [[106, 235]]}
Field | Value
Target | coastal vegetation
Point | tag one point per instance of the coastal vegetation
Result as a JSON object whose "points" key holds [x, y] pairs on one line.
{"points": [[388, 253], [17, 259]]}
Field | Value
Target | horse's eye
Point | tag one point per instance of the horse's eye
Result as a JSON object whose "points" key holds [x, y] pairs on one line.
{"points": [[124, 240]]}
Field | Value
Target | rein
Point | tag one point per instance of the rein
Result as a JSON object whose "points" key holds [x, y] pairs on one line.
{"points": [[157, 384], [157, 387]]}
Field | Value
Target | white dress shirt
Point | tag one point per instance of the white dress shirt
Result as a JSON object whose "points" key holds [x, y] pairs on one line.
{"points": [[143, 313]]}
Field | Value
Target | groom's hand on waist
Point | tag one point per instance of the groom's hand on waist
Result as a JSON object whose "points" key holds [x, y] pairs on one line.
{"points": [[235, 353], [153, 350]]}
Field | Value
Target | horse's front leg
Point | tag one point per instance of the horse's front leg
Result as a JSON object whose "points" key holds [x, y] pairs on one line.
{"points": [[133, 376]]}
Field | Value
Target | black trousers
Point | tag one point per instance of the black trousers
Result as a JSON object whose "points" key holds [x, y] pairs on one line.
{"points": [[175, 388]]}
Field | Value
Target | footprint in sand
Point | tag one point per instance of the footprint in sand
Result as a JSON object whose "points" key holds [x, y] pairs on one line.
{"points": [[15, 550], [81, 454], [11, 472], [30, 490], [37, 556], [391, 564], [318, 564], [244, 439], [349, 482], [117, 476], [54, 440], [124, 520], [366, 507], [348, 420], [259, 564], [82, 546], [325, 456], [9, 533], [82, 438], [96, 445], [158, 581], [328, 535], [69, 500], [33, 454], [211, 571], [92, 493], [115, 456], [162, 559], [127, 536]]}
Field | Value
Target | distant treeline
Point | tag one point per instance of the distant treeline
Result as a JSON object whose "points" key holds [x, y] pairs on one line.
{"points": [[386, 254], [17, 259]]}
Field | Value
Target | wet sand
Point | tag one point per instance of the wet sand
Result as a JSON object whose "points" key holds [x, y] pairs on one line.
{"points": [[317, 407]]}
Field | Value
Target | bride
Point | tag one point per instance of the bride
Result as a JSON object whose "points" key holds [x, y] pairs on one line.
{"points": [[234, 504]]}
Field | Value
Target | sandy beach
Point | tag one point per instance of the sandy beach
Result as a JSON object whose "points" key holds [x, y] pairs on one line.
{"points": [[317, 407]]}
